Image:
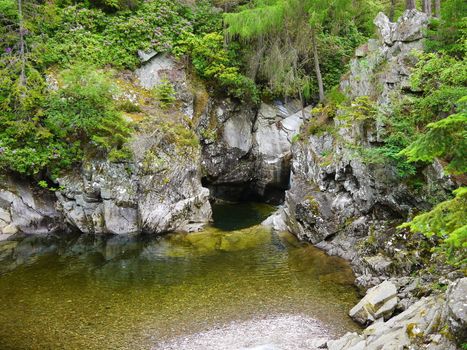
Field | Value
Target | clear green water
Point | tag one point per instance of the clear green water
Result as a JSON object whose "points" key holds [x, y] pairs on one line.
{"points": [[125, 292]]}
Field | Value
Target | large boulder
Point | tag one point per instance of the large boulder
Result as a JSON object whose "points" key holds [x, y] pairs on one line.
{"points": [[158, 191], [409, 27], [104, 198], [379, 302], [426, 324], [246, 150], [158, 69], [225, 130], [273, 137]]}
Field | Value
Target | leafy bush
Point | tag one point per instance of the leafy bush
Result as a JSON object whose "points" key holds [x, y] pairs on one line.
{"points": [[212, 61], [42, 133], [448, 222], [27, 146], [445, 139], [89, 35], [360, 109], [84, 112]]}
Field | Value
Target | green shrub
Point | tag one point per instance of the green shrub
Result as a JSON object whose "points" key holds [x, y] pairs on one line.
{"points": [[446, 139], [448, 222], [27, 145], [360, 109], [84, 112], [89, 35], [213, 61], [165, 93], [128, 106]]}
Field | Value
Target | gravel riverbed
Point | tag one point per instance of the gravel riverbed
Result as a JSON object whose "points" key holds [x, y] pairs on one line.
{"points": [[279, 332]]}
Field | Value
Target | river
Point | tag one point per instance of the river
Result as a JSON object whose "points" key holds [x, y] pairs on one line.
{"points": [[145, 292]]}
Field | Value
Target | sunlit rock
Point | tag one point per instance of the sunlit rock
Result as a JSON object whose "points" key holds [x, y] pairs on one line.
{"points": [[379, 301]]}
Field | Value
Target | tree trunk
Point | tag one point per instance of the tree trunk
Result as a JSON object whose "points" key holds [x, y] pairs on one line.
{"points": [[438, 8], [22, 49], [426, 7], [319, 78], [409, 4], [392, 9]]}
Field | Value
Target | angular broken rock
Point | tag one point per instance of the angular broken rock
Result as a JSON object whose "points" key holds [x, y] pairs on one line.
{"points": [[379, 301], [457, 309], [385, 28], [410, 26]]}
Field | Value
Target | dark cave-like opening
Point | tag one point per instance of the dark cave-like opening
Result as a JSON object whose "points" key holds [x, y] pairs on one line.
{"points": [[245, 192]]}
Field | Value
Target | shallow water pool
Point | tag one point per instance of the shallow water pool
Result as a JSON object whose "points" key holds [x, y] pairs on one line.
{"points": [[132, 292]]}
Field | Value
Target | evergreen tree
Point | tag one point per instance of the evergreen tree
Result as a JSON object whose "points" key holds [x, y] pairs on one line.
{"points": [[264, 19]]}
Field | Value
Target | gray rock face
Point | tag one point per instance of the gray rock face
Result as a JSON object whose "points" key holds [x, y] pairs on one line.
{"points": [[114, 198], [23, 210], [225, 129], [237, 133], [379, 301], [410, 26], [160, 68], [385, 28], [247, 151], [155, 70], [335, 196], [273, 146]]}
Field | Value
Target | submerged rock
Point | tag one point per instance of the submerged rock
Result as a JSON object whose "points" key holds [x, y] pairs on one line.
{"points": [[276, 221], [212, 240]]}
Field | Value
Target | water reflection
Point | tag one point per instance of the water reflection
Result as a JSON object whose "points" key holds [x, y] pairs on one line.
{"points": [[122, 292]]}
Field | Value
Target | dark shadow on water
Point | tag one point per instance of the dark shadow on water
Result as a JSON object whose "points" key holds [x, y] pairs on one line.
{"points": [[230, 217]]}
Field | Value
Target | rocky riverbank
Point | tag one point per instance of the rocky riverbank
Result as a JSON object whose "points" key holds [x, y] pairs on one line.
{"points": [[351, 208], [208, 147]]}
